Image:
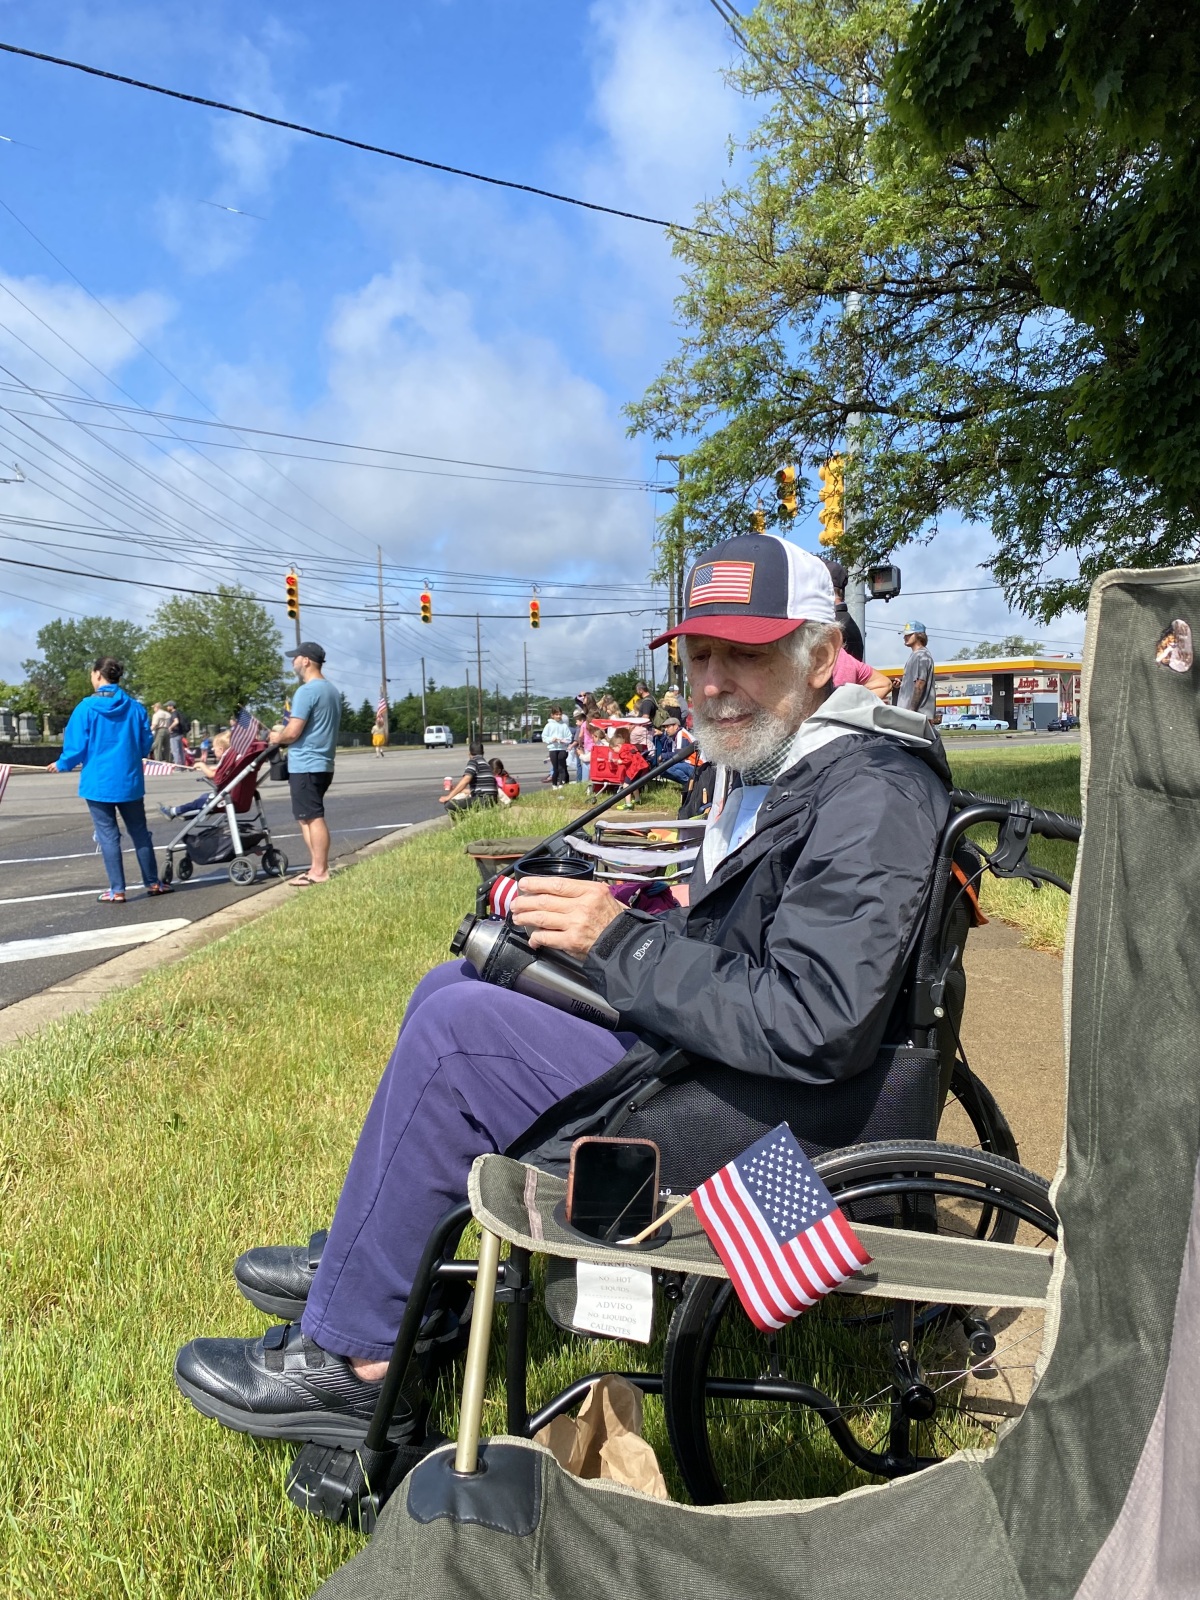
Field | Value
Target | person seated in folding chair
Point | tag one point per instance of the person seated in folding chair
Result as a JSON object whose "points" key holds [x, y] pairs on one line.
{"points": [[812, 883]]}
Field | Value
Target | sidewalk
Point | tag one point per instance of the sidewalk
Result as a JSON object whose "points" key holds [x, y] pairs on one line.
{"points": [[1013, 1036]]}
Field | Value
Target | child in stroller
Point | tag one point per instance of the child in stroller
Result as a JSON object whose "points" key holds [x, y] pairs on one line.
{"points": [[228, 827]]}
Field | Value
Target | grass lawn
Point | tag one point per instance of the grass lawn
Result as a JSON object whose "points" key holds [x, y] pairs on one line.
{"points": [[146, 1144]]}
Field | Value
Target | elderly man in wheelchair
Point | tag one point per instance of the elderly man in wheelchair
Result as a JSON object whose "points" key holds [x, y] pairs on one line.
{"points": [[769, 995]]}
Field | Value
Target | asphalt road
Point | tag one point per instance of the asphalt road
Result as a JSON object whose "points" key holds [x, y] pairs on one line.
{"points": [[51, 925]]}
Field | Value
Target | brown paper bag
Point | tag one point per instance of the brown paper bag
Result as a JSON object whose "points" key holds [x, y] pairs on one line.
{"points": [[605, 1439]]}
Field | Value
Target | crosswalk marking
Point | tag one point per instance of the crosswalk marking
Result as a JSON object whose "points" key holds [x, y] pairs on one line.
{"points": [[69, 944]]}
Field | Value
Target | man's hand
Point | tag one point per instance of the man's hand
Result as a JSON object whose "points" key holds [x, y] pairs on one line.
{"points": [[566, 914], [53, 767]]}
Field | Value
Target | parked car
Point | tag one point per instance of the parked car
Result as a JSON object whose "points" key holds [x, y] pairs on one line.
{"points": [[439, 737], [980, 725], [1062, 724]]}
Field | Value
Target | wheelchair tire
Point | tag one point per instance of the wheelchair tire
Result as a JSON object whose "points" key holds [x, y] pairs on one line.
{"points": [[971, 1118], [844, 1351]]}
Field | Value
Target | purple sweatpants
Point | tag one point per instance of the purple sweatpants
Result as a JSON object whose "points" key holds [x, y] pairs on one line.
{"points": [[474, 1066]]}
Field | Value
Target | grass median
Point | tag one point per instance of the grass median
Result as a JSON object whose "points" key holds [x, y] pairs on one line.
{"points": [[147, 1143]]}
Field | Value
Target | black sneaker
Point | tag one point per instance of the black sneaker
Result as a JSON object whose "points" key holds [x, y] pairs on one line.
{"points": [[283, 1386], [277, 1277]]}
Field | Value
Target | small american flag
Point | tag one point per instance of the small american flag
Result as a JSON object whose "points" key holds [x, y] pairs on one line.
{"points": [[784, 1241], [158, 769], [5, 774], [729, 582], [502, 894], [381, 710], [246, 729]]}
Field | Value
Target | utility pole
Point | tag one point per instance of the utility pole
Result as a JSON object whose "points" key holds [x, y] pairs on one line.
{"points": [[499, 716], [468, 702], [856, 591], [383, 681], [422, 694], [675, 574], [479, 674], [525, 658]]}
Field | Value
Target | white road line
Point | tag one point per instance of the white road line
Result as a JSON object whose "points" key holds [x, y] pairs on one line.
{"points": [[81, 894], [69, 944], [87, 855]]}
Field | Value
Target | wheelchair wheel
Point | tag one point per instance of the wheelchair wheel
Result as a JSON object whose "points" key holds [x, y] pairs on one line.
{"points": [[858, 1389], [971, 1118]]}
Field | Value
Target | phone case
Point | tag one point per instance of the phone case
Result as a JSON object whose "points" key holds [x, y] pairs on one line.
{"points": [[598, 1138]]}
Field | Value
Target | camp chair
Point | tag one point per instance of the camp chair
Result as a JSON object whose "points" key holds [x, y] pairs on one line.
{"points": [[1091, 1493]]}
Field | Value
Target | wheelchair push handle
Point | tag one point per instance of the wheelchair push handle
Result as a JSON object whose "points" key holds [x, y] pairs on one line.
{"points": [[989, 808]]}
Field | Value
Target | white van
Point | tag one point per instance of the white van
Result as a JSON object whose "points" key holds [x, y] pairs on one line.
{"points": [[439, 737]]}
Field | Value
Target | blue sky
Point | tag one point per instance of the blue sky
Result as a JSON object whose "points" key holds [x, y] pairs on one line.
{"points": [[366, 301]]}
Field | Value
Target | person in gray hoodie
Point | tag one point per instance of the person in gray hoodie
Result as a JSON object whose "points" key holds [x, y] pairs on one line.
{"points": [[109, 735]]}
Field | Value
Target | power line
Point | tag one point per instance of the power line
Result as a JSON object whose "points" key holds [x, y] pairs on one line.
{"points": [[566, 481], [175, 378], [608, 479], [353, 144], [363, 610]]}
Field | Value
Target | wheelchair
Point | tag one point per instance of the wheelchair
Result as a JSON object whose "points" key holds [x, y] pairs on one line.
{"points": [[908, 1382]]}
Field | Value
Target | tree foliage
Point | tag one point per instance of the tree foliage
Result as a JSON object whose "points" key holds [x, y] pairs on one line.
{"points": [[1121, 252], [60, 677], [959, 385], [1013, 644], [214, 655]]}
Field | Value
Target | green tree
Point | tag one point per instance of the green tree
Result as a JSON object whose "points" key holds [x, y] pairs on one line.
{"points": [[18, 697], [214, 655], [955, 385], [1011, 645], [1120, 250], [69, 646]]}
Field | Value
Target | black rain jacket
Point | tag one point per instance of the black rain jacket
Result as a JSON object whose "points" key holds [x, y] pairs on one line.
{"points": [[789, 961]]}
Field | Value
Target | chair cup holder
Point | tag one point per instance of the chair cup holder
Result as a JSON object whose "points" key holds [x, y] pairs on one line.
{"points": [[661, 1236]]}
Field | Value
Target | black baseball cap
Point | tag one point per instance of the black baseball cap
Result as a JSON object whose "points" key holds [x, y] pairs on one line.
{"points": [[754, 590], [314, 652]]}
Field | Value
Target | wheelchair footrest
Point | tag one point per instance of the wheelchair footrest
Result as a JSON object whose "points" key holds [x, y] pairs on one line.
{"points": [[340, 1486]]}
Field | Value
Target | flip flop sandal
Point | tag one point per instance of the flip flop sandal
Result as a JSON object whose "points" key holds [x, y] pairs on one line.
{"points": [[111, 897], [159, 888]]}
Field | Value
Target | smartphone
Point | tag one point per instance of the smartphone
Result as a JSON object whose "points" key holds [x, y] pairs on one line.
{"points": [[612, 1187]]}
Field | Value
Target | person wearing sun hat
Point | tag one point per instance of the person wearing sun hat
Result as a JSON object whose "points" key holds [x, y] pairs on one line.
{"points": [[786, 964]]}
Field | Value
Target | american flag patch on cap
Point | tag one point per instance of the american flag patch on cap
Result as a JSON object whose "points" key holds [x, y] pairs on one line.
{"points": [[725, 582]]}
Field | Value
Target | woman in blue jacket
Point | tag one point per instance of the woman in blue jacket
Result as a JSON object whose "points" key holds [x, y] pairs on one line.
{"points": [[108, 736]]}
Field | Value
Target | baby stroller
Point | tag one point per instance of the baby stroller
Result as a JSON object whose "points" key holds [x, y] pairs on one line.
{"points": [[231, 826]]}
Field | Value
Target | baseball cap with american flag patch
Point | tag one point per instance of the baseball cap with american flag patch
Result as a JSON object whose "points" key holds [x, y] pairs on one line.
{"points": [[754, 590]]}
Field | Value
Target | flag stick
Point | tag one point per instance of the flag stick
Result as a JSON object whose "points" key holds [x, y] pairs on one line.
{"points": [[657, 1223]]}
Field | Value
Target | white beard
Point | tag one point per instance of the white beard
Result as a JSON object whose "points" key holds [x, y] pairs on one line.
{"points": [[746, 745]]}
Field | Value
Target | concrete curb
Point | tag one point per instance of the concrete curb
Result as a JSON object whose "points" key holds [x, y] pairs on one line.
{"points": [[87, 989]]}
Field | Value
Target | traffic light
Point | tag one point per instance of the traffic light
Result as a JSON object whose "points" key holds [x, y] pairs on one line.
{"points": [[292, 586], [535, 613], [758, 521], [785, 490], [833, 493], [426, 607], [673, 652]]}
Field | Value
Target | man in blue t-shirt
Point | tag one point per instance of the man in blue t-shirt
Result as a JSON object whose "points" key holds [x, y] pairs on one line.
{"points": [[310, 735]]}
